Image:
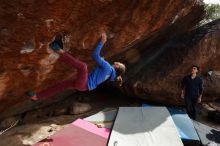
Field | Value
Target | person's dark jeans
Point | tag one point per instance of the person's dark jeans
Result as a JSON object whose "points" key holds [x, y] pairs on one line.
{"points": [[191, 103]]}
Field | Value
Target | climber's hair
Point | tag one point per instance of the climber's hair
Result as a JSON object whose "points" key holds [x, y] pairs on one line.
{"points": [[119, 72], [196, 66]]}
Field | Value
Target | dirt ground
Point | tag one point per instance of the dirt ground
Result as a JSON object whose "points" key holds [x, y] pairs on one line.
{"points": [[25, 134]]}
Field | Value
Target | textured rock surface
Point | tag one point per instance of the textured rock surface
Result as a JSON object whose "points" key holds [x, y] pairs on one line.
{"points": [[27, 26], [158, 75]]}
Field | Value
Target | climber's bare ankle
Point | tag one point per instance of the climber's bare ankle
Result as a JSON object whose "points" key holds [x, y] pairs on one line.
{"points": [[61, 51], [34, 98]]}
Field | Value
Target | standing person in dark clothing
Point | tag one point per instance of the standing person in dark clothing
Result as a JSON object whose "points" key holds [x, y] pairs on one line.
{"points": [[192, 91]]}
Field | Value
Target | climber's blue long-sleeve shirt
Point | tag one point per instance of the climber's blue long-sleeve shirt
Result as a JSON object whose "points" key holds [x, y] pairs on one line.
{"points": [[102, 72]]}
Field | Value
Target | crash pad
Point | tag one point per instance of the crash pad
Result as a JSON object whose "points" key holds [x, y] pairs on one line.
{"points": [[184, 126], [207, 134], [78, 133], [104, 118], [140, 126]]}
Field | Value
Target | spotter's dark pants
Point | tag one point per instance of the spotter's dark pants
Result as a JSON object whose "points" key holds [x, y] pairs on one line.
{"points": [[190, 103]]}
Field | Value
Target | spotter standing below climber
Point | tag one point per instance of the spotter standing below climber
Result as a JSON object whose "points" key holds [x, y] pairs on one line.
{"points": [[192, 91], [84, 81]]}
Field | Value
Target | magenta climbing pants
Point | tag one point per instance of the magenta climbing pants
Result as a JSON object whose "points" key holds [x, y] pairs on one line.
{"points": [[80, 83]]}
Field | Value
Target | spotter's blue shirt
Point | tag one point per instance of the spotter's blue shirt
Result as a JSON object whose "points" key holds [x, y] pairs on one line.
{"points": [[102, 72]]}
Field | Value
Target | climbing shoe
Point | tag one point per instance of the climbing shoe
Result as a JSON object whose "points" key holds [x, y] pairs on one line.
{"points": [[57, 44], [30, 93]]}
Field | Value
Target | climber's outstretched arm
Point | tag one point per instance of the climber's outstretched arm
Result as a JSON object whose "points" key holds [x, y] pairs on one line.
{"points": [[96, 53]]}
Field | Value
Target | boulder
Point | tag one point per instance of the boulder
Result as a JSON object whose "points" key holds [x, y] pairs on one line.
{"points": [[28, 26]]}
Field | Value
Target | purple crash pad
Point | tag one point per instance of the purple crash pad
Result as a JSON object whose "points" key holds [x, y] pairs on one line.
{"points": [[78, 133]]}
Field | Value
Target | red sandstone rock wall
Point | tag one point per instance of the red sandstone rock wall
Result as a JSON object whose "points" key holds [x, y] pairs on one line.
{"points": [[27, 27]]}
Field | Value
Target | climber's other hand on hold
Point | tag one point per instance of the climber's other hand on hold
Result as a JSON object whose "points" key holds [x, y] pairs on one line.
{"points": [[103, 38]]}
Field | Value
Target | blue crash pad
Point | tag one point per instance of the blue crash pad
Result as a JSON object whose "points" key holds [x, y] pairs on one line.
{"points": [[183, 123]]}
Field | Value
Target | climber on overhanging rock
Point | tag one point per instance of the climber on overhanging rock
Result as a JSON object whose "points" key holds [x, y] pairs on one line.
{"points": [[103, 72], [192, 88]]}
